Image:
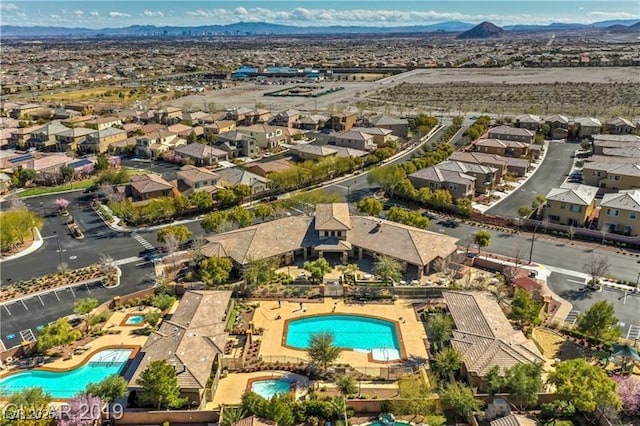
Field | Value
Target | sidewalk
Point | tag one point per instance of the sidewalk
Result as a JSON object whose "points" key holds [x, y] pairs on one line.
{"points": [[35, 245]]}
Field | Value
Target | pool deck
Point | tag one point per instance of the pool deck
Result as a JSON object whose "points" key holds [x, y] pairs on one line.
{"points": [[124, 339], [412, 331], [231, 388]]}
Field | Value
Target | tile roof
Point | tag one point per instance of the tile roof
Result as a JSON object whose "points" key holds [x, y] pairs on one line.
{"points": [[528, 118], [459, 166], [581, 195], [201, 151], [254, 421], [623, 169], [615, 138], [507, 130], [344, 151], [149, 183], [500, 143], [588, 122], [232, 176], [321, 150], [479, 158], [514, 420], [624, 200], [484, 336], [196, 174], [372, 130], [76, 132], [557, 118], [191, 340], [352, 135], [620, 121], [332, 217], [435, 174]]}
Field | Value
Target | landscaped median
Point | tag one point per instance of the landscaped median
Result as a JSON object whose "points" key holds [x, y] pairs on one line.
{"points": [[109, 275]]}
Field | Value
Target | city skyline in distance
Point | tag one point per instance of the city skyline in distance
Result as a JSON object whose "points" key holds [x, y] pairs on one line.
{"points": [[96, 14]]}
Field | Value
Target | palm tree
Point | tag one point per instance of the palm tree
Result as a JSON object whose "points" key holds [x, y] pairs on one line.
{"points": [[447, 363], [232, 415], [346, 385], [322, 350], [388, 269]]}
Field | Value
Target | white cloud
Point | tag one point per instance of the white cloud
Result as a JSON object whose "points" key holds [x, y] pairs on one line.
{"points": [[8, 6], [78, 13], [94, 13], [119, 15], [612, 15], [55, 17], [151, 13]]}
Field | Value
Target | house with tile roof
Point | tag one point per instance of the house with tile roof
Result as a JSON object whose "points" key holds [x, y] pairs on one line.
{"points": [[620, 126], [620, 213], [353, 139], [610, 176], [313, 152], [100, 140], [70, 139], [485, 175], [192, 341], [145, 187], [332, 230], [44, 138], [191, 178], [586, 127], [202, 154], [528, 121], [398, 126], [232, 176], [508, 133], [570, 206], [484, 337], [504, 148], [237, 144], [459, 184], [266, 136]]}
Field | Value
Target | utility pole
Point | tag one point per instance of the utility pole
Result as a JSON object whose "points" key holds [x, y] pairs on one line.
{"points": [[533, 239]]}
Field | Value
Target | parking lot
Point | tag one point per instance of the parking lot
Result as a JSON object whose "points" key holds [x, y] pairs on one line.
{"points": [[23, 319]]}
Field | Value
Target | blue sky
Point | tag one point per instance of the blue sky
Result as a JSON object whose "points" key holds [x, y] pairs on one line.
{"points": [[101, 14]]}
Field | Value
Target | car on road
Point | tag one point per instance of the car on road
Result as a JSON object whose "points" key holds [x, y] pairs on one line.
{"points": [[430, 215], [449, 223]]}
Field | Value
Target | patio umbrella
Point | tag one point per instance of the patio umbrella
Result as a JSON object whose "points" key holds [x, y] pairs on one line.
{"points": [[625, 351]]}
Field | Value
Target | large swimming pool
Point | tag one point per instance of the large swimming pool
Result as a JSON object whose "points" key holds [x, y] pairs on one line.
{"points": [[357, 332], [67, 384]]}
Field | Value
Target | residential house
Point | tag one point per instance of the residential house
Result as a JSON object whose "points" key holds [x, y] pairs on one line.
{"points": [[612, 176], [263, 169], [266, 136], [195, 118], [218, 127], [146, 187], [78, 120], [154, 144], [586, 127], [201, 154], [312, 122], [22, 112], [246, 116], [558, 126], [292, 135], [99, 141], [501, 164], [507, 133], [102, 123], [168, 115], [353, 237], [287, 118], [237, 144], [571, 206], [44, 138], [620, 126], [191, 178], [529, 122], [192, 342], [380, 135], [459, 184], [485, 176], [346, 152], [484, 337], [501, 147], [600, 142], [81, 107], [514, 420], [48, 168], [620, 212], [132, 129], [313, 152], [232, 176], [70, 139], [353, 139], [341, 122], [398, 126], [19, 137]]}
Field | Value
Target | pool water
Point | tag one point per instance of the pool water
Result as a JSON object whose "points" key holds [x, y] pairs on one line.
{"points": [[349, 331], [135, 320], [269, 388], [68, 383]]}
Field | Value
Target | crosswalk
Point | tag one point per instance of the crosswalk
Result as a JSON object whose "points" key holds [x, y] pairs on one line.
{"points": [[634, 332], [27, 335], [572, 317], [146, 244]]}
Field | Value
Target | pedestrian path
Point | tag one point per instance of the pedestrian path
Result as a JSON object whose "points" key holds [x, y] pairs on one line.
{"points": [[27, 335], [572, 317], [146, 244]]}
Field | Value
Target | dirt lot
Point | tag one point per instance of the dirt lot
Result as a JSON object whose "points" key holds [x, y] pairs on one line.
{"points": [[556, 346]]}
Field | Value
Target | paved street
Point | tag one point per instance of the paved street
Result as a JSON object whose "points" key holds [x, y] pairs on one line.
{"points": [[572, 290], [552, 173]]}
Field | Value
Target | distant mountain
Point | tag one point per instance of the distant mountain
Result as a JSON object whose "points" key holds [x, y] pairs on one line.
{"points": [[238, 28], [618, 29], [635, 27], [610, 22], [483, 30]]}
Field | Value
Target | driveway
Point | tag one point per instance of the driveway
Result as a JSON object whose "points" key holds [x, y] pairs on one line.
{"points": [[551, 174]]}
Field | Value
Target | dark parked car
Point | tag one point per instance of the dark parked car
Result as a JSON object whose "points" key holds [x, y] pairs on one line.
{"points": [[449, 223]]}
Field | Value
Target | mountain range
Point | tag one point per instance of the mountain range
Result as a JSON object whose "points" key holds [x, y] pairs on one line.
{"points": [[264, 28]]}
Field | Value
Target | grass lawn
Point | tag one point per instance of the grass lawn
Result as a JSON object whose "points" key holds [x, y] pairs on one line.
{"points": [[43, 190]]}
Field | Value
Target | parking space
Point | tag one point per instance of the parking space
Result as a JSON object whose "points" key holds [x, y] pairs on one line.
{"points": [[22, 320]]}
